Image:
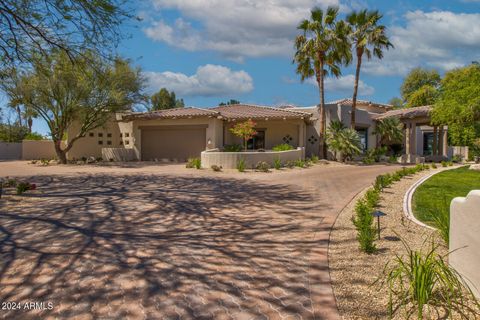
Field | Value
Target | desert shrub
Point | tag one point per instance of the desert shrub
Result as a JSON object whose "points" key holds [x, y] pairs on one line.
{"points": [[372, 197], [44, 162], [277, 163], [216, 168], [25, 186], [282, 147], [450, 163], [434, 166], [444, 164], [262, 166], [241, 165], [363, 221], [194, 163], [290, 164], [457, 158], [300, 163], [393, 159], [422, 283], [383, 181], [232, 148], [314, 159], [369, 157], [396, 176], [10, 183]]}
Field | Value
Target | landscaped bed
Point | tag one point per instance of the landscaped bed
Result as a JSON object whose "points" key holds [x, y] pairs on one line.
{"points": [[436, 193], [357, 277]]}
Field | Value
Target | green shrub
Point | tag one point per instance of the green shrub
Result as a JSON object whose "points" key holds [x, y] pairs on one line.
{"points": [[434, 166], [262, 166], [216, 168], [282, 147], [450, 163], [363, 221], [423, 283], [383, 181], [368, 160], [25, 186], [194, 163], [10, 183], [241, 165], [277, 163], [396, 176], [372, 197], [393, 159], [290, 164], [314, 159], [457, 158], [45, 162], [300, 163], [444, 164], [232, 148]]}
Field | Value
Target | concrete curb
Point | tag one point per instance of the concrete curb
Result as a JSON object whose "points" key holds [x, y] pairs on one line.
{"points": [[407, 199]]}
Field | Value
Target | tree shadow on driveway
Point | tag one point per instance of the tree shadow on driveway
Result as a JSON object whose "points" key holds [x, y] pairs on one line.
{"points": [[159, 247]]}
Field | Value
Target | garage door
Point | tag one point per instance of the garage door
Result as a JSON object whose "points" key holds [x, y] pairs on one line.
{"points": [[173, 143]]}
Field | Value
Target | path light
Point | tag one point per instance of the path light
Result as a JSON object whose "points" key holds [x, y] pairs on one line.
{"points": [[378, 214]]}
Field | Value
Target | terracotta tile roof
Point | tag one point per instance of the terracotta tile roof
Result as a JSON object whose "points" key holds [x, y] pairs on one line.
{"points": [[247, 111], [189, 112], [348, 102], [406, 113]]}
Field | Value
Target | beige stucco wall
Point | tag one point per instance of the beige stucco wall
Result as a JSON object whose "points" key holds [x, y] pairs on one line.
{"points": [[275, 131], [89, 146], [10, 150], [465, 238], [35, 150], [229, 160]]}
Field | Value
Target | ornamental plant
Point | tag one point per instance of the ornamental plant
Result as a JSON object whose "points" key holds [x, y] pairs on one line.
{"points": [[245, 130]]}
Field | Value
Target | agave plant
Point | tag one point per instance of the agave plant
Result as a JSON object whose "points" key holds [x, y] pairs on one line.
{"points": [[343, 141]]}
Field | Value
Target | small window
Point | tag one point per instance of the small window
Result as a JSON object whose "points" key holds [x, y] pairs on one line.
{"points": [[91, 134], [100, 142], [100, 134], [109, 135], [121, 135], [127, 134], [109, 143], [127, 142], [121, 142]]}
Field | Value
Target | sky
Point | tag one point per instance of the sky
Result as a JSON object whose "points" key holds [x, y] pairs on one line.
{"points": [[209, 51]]}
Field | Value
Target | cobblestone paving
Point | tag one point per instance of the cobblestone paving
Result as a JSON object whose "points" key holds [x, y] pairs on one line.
{"points": [[167, 247]]}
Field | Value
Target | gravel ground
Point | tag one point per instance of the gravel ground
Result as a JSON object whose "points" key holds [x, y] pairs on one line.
{"points": [[353, 272]]}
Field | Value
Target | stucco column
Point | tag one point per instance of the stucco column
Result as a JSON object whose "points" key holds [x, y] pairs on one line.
{"points": [[301, 134], [435, 141], [445, 142], [440, 141], [413, 142], [407, 138]]}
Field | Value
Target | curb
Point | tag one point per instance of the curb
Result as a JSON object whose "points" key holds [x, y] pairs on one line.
{"points": [[407, 199]]}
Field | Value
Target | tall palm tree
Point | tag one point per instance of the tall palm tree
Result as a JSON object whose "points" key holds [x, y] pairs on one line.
{"points": [[320, 50], [369, 39]]}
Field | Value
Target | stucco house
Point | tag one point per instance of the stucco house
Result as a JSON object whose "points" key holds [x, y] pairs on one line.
{"points": [[177, 134]]}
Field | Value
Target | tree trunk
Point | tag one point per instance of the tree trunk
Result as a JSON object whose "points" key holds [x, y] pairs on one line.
{"points": [[61, 154], [30, 123], [19, 114], [321, 111], [355, 87]]}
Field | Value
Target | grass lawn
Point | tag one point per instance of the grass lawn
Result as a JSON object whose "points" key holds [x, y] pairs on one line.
{"points": [[438, 191]]}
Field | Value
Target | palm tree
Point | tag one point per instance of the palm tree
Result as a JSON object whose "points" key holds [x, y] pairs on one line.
{"points": [[320, 49], [389, 130], [368, 39]]}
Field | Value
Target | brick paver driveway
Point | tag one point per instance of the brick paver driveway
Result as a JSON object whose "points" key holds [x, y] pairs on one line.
{"points": [[168, 243]]}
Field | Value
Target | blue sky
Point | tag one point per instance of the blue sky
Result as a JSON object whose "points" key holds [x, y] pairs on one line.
{"points": [[209, 51]]}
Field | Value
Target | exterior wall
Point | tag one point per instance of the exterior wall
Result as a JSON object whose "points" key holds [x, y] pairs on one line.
{"points": [[118, 154], [38, 149], [465, 238], [275, 131], [135, 141], [10, 150], [89, 146], [229, 160]]}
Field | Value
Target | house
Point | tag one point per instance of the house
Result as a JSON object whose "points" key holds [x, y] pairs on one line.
{"points": [[177, 134]]}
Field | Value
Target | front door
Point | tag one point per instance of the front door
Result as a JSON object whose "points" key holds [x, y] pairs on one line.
{"points": [[257, 142]]}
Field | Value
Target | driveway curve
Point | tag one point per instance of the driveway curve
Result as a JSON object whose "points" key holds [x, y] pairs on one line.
{"points": [[164, 242]]}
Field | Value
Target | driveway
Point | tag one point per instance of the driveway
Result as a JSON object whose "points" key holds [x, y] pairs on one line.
{"points": [[165, 242]]}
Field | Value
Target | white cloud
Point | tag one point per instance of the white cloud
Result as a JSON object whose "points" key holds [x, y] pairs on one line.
{"points": [[439, 39], [345, 84], [209, 80], [235, 28]]}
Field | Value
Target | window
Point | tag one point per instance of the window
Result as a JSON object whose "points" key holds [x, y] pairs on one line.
{"points": [[127, 134], [109, 135], [257, 142], [121, 142], [100, 134], [91, 134], [427, 143], [109, 143], [363, 134], [127, 142], [100, 142], [121, 135]]}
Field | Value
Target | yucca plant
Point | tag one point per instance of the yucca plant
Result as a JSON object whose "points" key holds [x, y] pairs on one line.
{"points": [[422, 283], [277, 163], [241, 165]]}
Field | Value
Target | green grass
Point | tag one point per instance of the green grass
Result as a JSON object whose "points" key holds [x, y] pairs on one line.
{"points": [[437, 192]]}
